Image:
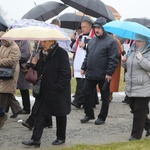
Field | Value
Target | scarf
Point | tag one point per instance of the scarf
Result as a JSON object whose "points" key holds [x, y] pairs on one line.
{"points": [[91, 35]]}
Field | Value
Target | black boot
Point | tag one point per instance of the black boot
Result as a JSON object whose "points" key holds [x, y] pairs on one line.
{"points": [[32, 143]]}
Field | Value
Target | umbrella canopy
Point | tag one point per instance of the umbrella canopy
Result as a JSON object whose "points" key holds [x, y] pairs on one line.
{"points": [[114, 12], [45, 11], [34, 33], [31, 22], [95, 8], [3, 25], [72, 20], [143, 21], [126, 29]]}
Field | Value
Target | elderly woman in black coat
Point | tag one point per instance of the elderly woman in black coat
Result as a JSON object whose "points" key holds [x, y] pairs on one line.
{"points": [[55, 97]]}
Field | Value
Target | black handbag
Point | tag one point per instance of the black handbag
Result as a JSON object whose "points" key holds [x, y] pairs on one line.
{"points": [[36, 90], [6, 73]]}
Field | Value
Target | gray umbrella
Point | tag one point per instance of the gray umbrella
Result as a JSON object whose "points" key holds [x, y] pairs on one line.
{"points": [[3, 25], [143, 20], [45, 11], [72, 20], [95, 8]]}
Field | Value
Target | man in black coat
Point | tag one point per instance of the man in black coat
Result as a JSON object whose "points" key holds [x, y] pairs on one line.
{"points": [[55, 97], [98, 66]]}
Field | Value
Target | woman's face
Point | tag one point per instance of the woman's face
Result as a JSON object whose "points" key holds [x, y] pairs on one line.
{"points": [[46, 44], [139, 43], [5, 43]]}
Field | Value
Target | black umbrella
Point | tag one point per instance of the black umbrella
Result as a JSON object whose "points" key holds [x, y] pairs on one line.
{"points": [[3, 25], [45, 11], [72, 20], [143, 21], [95, 8]]}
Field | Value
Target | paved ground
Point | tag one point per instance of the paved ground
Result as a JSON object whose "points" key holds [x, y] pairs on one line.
{"points": [[116, 129]]}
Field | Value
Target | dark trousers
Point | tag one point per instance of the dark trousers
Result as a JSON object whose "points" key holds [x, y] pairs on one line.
{"points": [[79, 98], [139, 108], [2, 112], [47, 122], [89, 86], [61, 122], [25, 100], [8, 99]]}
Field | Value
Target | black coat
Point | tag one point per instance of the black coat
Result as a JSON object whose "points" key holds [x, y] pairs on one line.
{"points": [[55, 96]]}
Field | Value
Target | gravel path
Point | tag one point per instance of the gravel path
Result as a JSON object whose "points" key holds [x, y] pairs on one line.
{"points": [[116, 129]]}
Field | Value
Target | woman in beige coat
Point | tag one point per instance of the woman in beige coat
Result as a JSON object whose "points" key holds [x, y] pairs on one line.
{"points": [[9, 57]]}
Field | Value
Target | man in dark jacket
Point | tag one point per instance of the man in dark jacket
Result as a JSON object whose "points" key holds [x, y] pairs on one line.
{"points": [[98, 66]]}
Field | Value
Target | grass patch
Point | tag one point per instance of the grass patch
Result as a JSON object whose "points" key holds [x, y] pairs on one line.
{"points": [[135, 145], [73, 84], [121, 84]]}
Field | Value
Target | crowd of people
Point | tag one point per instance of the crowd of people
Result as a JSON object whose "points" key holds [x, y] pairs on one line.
{"points": [[97, 60]]}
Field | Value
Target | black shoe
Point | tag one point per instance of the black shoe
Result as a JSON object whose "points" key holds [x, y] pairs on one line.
{"points": [[15, 115], [25, 124], [25, 112], [48, 126], [133, 138], [32, 143], [76, 105], [58, 142], [147, 133], [124, 101], [86, 119], [73, 96], [99, 121]]}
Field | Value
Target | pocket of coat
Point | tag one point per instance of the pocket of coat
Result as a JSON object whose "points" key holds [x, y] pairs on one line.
{"points": [[142, 79]]}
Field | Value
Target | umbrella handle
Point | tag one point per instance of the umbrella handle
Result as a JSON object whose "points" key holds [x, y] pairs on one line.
{"points": [[80, 21], [41, 15]]}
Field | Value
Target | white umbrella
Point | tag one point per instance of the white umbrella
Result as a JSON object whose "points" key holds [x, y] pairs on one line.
{"points": [[34, 33]]}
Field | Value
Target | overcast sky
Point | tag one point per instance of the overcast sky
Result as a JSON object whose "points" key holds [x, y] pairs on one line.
{"points": [[15, 9]]}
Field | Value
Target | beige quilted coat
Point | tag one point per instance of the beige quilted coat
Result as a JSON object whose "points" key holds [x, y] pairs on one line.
{"points": [[9, 57]]}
